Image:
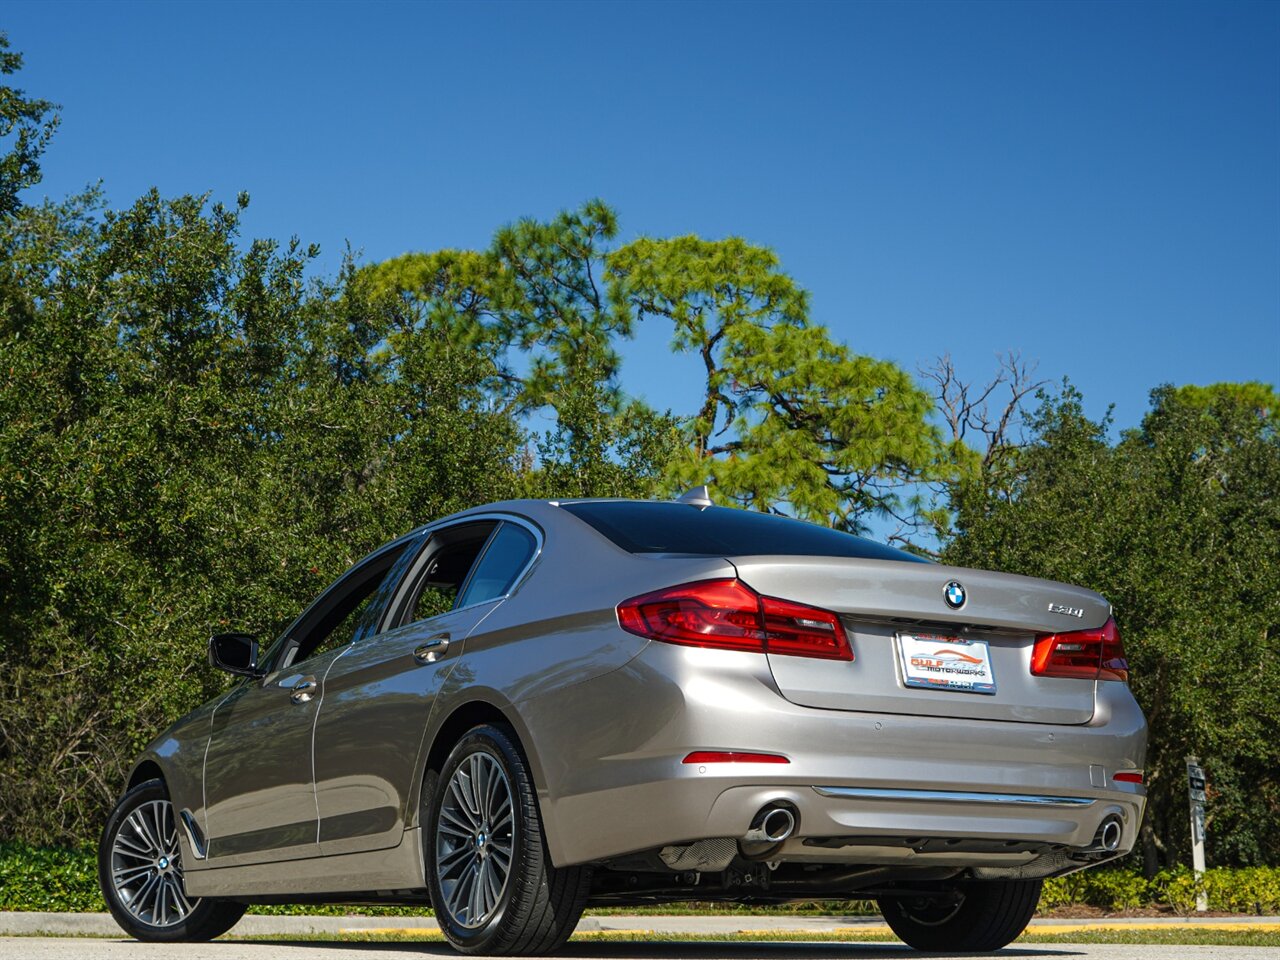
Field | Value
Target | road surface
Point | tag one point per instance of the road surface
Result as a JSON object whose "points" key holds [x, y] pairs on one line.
{"points": [[85, 948]]}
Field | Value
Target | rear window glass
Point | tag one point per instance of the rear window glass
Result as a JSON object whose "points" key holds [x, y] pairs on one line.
{"points": [[648, 527], [506, 555]]}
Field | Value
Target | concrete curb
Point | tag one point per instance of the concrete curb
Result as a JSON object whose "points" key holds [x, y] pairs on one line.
{"points": [[102, 925]]}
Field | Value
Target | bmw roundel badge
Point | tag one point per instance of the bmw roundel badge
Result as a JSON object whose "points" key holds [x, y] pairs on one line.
{"points": [[954, 594]]}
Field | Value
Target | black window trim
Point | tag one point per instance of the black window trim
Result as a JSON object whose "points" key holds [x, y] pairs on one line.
{"points": [[335, 593], [400, 595]]}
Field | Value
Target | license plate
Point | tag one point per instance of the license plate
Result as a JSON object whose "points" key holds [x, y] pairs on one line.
{"points": [[946, 663]]}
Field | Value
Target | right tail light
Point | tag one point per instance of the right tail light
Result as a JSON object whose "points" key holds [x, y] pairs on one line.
{"points": [[1083, 654]]}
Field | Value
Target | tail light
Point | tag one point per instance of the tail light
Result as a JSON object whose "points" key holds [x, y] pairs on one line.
{"points": [[729, 615], [1084, 654]]}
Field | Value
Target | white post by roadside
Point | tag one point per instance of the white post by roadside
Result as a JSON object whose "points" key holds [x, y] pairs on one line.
{"points": [[1196, 795]]}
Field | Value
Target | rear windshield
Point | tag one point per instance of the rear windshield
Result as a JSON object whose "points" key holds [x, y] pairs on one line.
{"points": [[648, 527]]}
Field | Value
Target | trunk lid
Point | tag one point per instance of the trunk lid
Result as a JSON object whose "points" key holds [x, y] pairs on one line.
{"points": [[880, 602]]}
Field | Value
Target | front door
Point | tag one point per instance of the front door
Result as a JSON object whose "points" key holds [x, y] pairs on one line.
{"points": [[259, 776]]}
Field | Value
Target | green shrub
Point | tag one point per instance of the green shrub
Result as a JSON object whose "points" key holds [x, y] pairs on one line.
{"points": [[1233, 890], [1115, 889], [1244, 890], [1105, 889], [49, 878], [1060, 892]]}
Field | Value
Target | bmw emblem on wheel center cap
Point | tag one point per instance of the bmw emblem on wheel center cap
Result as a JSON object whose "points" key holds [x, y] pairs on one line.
{"points": [[954, 594]]}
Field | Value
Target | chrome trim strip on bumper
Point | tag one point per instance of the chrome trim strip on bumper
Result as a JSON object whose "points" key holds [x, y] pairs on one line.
{"points": [[951, 796]]}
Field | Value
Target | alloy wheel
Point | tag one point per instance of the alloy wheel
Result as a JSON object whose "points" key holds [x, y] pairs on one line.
{"points": [[146, 866], [475, 839]]}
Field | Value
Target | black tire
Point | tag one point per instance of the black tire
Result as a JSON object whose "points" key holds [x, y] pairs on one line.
{"points": [[983, 916], [127, 850], [538, 905]]}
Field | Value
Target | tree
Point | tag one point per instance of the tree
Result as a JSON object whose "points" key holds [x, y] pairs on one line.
{"points": [[193, 437], [1178, 525], [791, 419], [26, 126]]}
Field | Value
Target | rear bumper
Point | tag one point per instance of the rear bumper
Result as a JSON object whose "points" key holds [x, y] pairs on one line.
{"points": [[611, 753]]}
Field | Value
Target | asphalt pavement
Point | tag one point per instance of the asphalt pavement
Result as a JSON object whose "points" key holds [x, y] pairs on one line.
{"points": [[71, 936], [84, 948]]}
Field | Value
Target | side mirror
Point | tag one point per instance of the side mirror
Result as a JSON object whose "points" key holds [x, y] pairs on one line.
{"points": [[235, 653]]}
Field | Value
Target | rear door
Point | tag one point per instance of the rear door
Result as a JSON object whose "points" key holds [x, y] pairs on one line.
{"points": [[379, 695], [894, 612]]}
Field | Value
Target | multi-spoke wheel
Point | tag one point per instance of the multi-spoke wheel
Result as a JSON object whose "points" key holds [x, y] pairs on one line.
{"points": [[494, 887], [474, 839], [146, 865], [140, 869]]}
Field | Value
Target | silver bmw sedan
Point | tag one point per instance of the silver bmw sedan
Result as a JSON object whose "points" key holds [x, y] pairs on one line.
{"points": [[531, 707]]}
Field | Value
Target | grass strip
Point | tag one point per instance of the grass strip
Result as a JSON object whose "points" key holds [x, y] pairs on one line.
{"points": [[1182, 936]]}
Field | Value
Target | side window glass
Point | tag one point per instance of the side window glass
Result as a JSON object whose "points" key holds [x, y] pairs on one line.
{"points": [[442, 572], [508, 552], [335, 624], [345, 631]]}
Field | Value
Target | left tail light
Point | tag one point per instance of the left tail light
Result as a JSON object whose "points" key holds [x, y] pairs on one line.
{"points": [[1084, 654], [729, 615]]}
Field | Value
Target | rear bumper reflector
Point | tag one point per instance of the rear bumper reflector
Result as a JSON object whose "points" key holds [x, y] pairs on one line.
{"points": [[720, 756], [951, 796]]}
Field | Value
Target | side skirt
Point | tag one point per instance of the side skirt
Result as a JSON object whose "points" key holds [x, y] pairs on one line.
{"points": [[393, 870]]}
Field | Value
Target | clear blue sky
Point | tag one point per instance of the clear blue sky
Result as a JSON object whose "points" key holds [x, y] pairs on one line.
{"points": [[1096, 185]]}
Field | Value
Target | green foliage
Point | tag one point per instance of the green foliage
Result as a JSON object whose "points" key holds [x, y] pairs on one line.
{"points": [[1247, 890], [790, 417], [1253, 890], [26, 127], [49, 879], [537, 297], [192, 437], [1178, 525], [1113, 890]]}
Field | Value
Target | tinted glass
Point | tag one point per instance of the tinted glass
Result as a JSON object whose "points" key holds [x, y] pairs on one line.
{"points": [[508, 552], [640, 527], [345, 631], [335, 621], [450, 557]]}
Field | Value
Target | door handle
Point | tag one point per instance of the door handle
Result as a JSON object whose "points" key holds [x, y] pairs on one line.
{"points": [[432, 650], [304, 690]]}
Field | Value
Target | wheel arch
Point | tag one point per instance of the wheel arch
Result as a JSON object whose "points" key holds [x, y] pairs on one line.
{"points": [[146, 769], [476, 710]]}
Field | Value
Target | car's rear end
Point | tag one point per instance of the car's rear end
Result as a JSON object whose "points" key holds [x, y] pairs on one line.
{"points": [[845, 718], [997, 734]]}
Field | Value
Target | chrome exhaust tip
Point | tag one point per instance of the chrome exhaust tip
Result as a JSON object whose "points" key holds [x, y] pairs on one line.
{"points": [[1108, 836], [772, 824]]}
